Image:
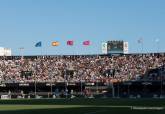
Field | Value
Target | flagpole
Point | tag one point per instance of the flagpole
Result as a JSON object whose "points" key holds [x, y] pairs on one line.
{"points": [[140, 42], [38, 44], [157, 45], [21, 51], [41, 51], [142, 47]]}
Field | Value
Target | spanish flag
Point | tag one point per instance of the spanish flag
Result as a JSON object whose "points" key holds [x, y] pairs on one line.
{"points": [[55, 43]]}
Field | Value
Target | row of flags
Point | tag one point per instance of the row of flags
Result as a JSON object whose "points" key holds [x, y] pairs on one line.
{"points": [[69, 43], [85, 43]]}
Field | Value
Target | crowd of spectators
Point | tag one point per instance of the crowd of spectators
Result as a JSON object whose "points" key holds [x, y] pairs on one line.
{"points": [[79, 68]]}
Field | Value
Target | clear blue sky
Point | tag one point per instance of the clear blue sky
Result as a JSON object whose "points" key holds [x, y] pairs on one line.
{"points": [[25, 22]]}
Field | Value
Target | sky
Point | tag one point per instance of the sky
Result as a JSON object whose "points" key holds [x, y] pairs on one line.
{"points": [[23, 23]]}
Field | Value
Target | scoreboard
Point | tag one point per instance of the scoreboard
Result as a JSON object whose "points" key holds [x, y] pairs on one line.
{"points": [[115, 47]]}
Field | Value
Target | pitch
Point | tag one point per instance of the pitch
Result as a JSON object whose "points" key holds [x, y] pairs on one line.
{"points": [[82, 106]]}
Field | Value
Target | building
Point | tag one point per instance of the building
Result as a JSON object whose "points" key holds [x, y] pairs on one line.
{"points": [[5, 51]]}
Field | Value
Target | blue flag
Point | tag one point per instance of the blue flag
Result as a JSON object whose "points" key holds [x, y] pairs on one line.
{"points": [[38, 44]]}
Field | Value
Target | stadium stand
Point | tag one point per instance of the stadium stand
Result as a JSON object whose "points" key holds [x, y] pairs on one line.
{"points": [[86, 69]]}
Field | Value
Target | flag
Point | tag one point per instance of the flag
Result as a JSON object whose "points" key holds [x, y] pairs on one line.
{"points": [[70, 42], [55, 43], [140, 40], [38, 44], [86, 43], [157, 40]]}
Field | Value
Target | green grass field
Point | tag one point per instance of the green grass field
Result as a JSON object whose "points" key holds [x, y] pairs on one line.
{"points": [[82, 106]]}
